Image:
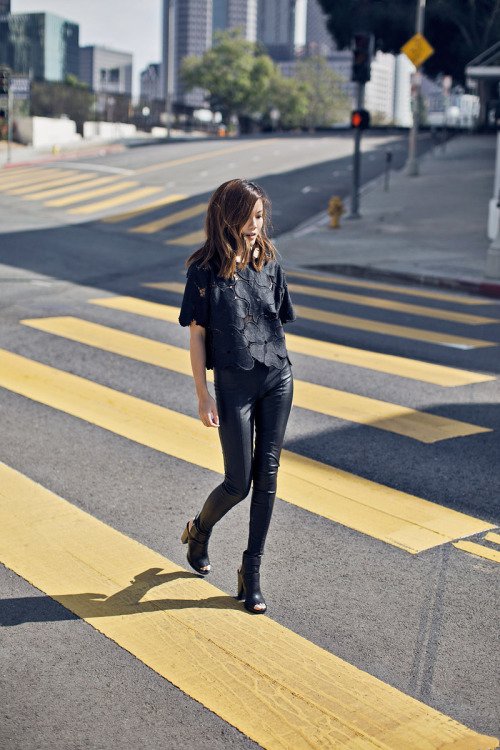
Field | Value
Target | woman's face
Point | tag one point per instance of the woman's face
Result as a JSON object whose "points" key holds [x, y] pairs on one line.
{"points": [[254, 224]]}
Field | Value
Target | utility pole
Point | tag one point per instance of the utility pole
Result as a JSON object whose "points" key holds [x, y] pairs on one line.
{"points": [[412, 168], [169, 63]]}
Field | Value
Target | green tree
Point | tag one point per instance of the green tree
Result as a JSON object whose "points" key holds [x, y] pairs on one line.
{"points": [[459, 30], [72, 98], [326, 101], [290, 98], [236, 73]]}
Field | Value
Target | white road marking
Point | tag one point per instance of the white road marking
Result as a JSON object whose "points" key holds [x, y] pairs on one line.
{"points": [[95, 167]]}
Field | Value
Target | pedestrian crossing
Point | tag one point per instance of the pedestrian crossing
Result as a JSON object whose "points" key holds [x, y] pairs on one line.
{"points": [[279, 689], [276, 687]]}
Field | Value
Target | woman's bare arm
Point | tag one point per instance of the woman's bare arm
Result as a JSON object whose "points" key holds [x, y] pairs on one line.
{"points": [[207, 408]]}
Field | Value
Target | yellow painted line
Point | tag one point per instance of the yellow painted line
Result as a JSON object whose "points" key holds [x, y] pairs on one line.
{"points": [[388, 363], [143, 209], [193, 238], [70, 188], [73, 177], [394, 517], [347, 321], [89, 194], [492, 537], [389, 329], [478, 550], [276, 687], [426, 428], [118, 200], [388, 304], [166, 221], [396, 288], [204, 156], [40, 175]]}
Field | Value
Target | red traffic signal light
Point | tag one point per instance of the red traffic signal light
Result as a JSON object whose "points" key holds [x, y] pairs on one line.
{"points": [[360, 119]]}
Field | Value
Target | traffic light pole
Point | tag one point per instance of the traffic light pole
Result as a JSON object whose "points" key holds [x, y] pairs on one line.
{"points": [[356, 163], [412, 168]]}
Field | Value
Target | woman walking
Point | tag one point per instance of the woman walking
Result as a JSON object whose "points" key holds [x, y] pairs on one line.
{"points": [[235, 302]]}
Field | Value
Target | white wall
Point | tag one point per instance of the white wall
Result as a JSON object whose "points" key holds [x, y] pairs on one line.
{"points": [[45, 131], [93, 129]]}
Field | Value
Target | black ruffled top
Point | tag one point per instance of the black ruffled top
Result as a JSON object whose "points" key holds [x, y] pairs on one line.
{"points": [[243, 316]]}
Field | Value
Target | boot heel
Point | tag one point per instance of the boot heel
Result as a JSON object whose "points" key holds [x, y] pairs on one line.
{"points": [[185, 536], [241, 588], [197, 541]]}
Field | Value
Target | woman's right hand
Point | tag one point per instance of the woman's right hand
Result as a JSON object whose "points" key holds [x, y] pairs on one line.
{"points": [[207, 409]]}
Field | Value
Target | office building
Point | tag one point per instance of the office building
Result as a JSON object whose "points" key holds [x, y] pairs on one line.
{"points": [[281, 27], [232, 14], [318, 39], [106, 70], [4, 7], [151, 83], [41, 45], [380, 89]]}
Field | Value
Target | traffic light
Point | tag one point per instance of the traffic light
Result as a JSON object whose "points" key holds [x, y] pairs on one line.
{"points": [[362, 50], [4, 81], [360, 119]]}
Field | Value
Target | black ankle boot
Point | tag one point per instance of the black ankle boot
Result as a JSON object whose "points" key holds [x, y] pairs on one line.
{"points": [[249, 583], [197, 541]]}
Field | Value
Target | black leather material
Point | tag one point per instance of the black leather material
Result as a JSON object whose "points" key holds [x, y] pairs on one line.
{"points": [[243, 316], [251, 403]]}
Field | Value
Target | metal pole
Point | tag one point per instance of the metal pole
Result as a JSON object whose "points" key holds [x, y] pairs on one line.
{"points": [[10, 117], [412, 164], [356, 164], [169, 62]]}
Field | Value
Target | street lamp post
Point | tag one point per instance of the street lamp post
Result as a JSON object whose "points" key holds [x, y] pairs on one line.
{"points": [[412, 164], [169, 65]]}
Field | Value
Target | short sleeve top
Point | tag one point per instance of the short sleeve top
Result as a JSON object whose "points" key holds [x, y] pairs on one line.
{"points": [[243, 316]]}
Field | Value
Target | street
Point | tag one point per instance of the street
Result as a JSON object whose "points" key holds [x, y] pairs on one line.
{"points": [[382, 556]]}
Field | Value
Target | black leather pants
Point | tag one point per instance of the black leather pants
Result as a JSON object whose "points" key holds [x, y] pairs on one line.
{"points": [[250, 403]]}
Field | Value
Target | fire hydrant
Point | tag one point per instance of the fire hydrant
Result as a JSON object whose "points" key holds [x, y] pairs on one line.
{"points": [[335, 211]]}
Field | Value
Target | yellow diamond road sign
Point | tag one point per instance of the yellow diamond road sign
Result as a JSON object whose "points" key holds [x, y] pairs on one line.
{"points": [[417, 49]]}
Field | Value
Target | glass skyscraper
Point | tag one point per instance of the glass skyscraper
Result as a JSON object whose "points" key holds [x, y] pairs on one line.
{"points": [[43, 46]]}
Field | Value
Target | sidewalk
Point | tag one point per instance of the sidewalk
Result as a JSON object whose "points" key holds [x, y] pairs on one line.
{"points": [[429, 229]]}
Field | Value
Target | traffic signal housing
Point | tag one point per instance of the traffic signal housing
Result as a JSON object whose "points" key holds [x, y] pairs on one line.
{"points": [[362, 51], [360, 119]]}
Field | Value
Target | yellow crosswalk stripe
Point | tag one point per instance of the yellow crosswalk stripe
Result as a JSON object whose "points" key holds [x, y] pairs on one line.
{"points": [[426, 428], [118, 200], [115, 218], [362, 324], [388, 363], [203, 156], [193, 238], [492, 537], [52, 193], [389, 329], [275, 686], [387, 304], [392, 516], [40, 175], [166, 221], [478, 550], [76, 177], [89, 194], [461, 299]]}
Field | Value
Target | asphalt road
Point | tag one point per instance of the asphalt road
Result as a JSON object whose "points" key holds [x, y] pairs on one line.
{"points": [[421, 621]]}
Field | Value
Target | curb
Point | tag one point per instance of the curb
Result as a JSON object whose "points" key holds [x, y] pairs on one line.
{"points": [[483, 287]]}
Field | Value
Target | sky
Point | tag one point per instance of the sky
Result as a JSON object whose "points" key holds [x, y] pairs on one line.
{"points": [[125, 25]]}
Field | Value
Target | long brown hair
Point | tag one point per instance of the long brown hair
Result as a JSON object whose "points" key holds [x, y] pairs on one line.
{"points": [[228, 211]]}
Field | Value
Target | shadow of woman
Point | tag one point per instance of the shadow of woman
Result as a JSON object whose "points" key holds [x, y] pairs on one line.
{"points": [[127, 601]]}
